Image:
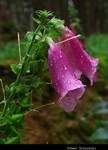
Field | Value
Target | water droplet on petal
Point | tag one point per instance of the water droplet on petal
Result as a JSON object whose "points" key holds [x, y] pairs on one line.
{"points": [[61, 56], [65, 67]]}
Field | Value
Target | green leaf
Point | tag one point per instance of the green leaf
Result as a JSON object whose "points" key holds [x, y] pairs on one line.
{"points": [[3, 122], [14, 68], [17, 117], [25, 103], [44, 13], [99, 134], [56, 22], [53, 34], [36, 82], [36, 66], [29, 36], [36, 20], [22, 89], [13, 140]]}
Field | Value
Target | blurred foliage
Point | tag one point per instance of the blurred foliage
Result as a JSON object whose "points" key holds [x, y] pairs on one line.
{"points": [[73, 18], [97, 46], [9, 51], [94, 122]]}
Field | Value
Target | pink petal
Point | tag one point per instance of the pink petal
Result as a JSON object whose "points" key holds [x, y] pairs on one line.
{"points": [[70, 100], [64, 81], [78, 57], [66, 48]]}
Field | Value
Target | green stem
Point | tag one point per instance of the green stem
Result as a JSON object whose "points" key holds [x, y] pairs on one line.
{"points": [[4, 99], [26, 56], [3, 90], [8, 99]]}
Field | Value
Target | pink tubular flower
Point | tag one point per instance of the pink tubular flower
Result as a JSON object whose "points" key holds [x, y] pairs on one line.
{"points": [[77, 57], [69, 88]]}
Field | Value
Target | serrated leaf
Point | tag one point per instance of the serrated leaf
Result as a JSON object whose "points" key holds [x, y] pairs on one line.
{"points": [[44, 13]]}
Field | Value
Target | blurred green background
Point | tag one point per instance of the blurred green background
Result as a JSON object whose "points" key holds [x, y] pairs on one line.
{"points": [[89, 121]]}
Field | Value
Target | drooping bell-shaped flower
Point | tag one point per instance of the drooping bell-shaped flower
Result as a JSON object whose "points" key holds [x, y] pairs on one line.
{"points": [[78, 57], [69, 88]]}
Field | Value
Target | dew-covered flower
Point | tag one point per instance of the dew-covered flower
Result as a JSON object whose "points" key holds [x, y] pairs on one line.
{"points": [[69, 88], [67, 60], [78, 57]]}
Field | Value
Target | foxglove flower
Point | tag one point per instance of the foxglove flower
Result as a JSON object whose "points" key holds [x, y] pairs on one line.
{"points": [[69, 88], [78, 58]]}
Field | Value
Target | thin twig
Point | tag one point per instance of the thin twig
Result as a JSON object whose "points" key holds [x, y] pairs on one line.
{"points": [[73, 37], [19, 46], [39, 107]]}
